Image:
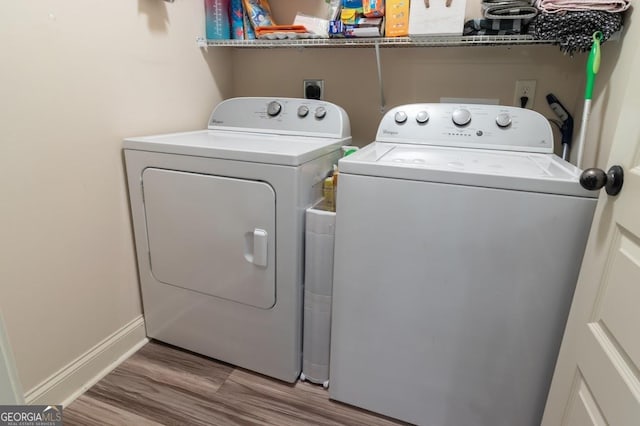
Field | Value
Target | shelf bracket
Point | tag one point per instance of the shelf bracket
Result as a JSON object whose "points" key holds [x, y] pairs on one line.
{"points": [[383, 105]]}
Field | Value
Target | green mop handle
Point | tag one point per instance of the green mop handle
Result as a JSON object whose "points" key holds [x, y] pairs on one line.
{"points": [[593, 65]]}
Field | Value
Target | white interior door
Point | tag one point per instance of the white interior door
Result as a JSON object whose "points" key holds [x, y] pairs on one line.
{"points": [[10, 389], [597, 376]]}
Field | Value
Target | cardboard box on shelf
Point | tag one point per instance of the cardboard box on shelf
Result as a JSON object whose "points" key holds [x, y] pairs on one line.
{"points": [[397, 18]]}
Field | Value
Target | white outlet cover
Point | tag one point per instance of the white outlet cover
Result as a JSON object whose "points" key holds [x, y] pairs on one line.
{"points": [[525, 87]]}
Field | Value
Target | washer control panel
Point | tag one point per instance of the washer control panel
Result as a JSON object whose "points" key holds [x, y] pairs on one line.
{"points": [[467, 125], [289, 116]]}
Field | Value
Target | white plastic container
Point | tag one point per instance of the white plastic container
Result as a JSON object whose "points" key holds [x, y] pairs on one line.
{"points": [[318, 286]]}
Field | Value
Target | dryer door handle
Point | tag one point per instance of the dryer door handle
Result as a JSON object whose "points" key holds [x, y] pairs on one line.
{"points": [[256, 247], [260, 240]]}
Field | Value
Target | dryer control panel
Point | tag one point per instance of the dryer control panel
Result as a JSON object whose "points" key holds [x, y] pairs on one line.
{"points": [[286, 116], [468, 126]]}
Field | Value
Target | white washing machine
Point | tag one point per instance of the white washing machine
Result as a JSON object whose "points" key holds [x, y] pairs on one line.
{"points": [[459, 238], [218, 216]]}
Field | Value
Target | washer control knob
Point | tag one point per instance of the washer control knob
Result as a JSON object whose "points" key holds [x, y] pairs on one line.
{"points": [[400, 117], [303, 111], [274, 108], [503, 119], [461, 117], [321, 112], [422, 117]]}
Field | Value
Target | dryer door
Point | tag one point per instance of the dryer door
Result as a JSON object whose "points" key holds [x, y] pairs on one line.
{"points": [[212, 234]]}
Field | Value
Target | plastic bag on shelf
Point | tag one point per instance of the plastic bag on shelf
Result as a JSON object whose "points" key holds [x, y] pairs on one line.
{"points": [[259, 13]]}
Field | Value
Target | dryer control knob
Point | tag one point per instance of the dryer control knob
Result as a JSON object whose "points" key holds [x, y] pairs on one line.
{"points": [[422, 117], [274, 108], [400, 117], [303, 111], [461, 117], [503, 119], [321, 112]]}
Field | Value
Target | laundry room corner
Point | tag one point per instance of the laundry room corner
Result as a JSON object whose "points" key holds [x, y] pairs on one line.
{"points": [[82, 76]]}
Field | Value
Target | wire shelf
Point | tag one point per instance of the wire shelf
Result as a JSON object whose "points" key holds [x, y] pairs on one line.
{"points": [[425, 41]]}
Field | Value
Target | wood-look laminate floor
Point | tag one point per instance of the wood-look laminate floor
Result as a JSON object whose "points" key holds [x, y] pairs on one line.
{"points": [[161, 384]]}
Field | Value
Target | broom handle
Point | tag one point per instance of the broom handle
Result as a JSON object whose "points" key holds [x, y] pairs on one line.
{"points": [[583, 131]]}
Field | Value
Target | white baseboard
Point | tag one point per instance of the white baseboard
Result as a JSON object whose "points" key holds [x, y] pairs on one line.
{"points": [[71, 381]]}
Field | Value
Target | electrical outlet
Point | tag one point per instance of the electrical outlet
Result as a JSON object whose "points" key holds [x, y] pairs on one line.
{"points": [[313, 89], [525, 89]]}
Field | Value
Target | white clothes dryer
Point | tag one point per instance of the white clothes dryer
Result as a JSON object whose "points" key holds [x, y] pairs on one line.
{"points": [[218, 216], [459, 238]]}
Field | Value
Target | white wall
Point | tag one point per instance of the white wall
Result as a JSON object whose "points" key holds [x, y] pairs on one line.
{"points": [[76, 77]]}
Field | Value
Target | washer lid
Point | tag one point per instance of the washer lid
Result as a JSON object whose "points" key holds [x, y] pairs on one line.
{"points": [[233, 145], [546, 173]]}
